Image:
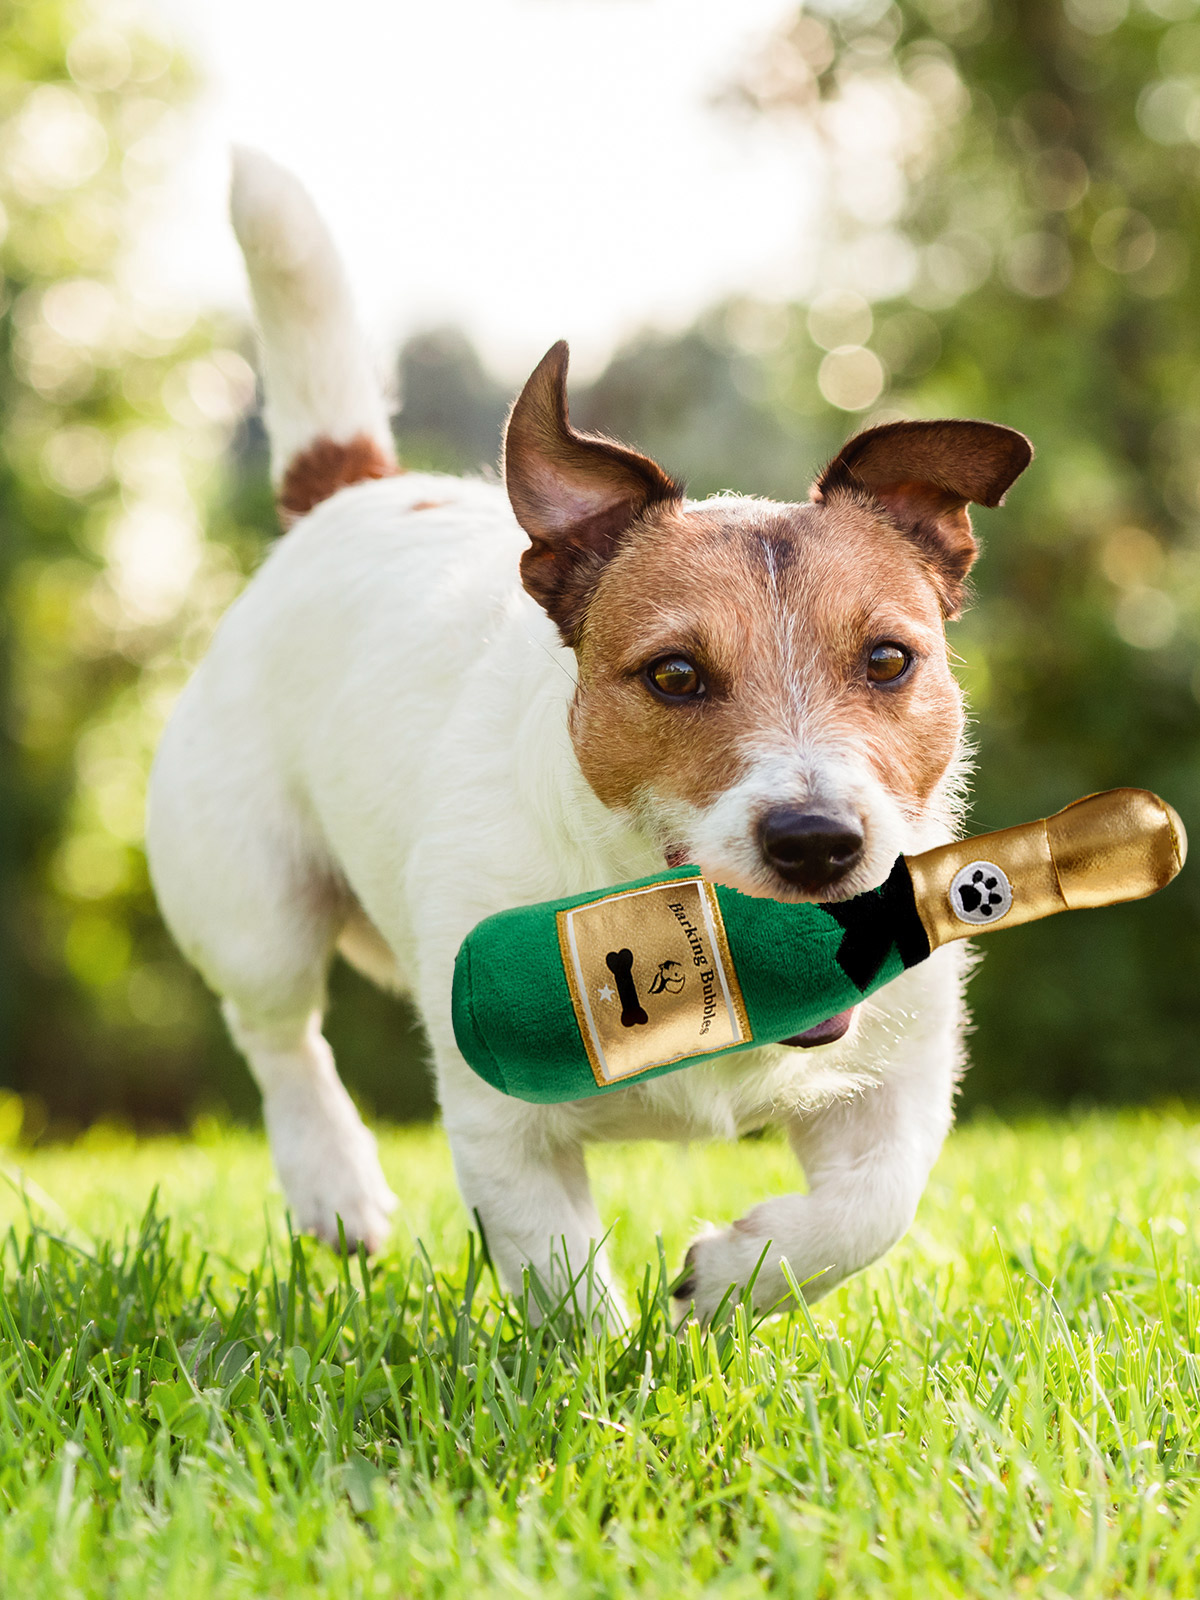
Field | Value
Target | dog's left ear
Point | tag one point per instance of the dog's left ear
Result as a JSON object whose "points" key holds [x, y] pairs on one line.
{"points": [[575, 494], [924, 475]]}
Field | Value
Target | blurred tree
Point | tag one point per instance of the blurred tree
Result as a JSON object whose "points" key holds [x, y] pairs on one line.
{"points": [[1012, 207], [116, 406], [112, 402], [452, 410], [704, 399], [1013, 202]]}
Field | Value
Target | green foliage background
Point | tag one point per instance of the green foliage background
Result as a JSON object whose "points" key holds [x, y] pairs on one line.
{"points": [[1019, 242], [100, 451]]}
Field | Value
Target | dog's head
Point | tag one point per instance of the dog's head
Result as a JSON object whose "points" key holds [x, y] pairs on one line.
{"points": [[763, 689]]}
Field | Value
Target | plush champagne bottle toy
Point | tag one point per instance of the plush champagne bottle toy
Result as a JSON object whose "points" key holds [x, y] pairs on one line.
{"points": [[557, 1001]]}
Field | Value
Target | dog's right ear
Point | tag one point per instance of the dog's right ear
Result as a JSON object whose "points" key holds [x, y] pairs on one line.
{"points": [[575, 494]]}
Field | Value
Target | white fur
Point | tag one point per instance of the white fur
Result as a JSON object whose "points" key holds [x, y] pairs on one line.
{"points": [[376, 751]]}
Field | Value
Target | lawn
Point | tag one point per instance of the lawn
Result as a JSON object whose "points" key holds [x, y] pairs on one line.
{"points": [[191, 1404]]}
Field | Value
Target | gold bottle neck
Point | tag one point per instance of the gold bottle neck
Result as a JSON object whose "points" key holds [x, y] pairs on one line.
{"points": [[1121, 845]]}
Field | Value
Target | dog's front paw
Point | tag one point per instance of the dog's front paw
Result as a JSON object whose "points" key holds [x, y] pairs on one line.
{"points": [[329, 1167], [721, 1264], [717, 1267], [359, 1200]]}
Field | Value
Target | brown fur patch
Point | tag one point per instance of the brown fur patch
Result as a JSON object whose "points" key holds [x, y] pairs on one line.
{"points": [[428, 505], [327, 466], [780, 607]]}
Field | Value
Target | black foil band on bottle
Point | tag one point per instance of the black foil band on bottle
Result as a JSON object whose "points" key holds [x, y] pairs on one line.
{"points": [[876, 921]]}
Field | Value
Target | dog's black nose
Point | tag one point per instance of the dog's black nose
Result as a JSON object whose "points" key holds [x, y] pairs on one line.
{"points": [[808, 850]]}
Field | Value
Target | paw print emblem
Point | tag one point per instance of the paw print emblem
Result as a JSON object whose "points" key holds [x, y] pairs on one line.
{"points": [[980, 893]]}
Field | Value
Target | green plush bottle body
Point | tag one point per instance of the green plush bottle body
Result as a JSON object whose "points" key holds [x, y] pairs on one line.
{"points": [[578, 996], [561, 1000]]}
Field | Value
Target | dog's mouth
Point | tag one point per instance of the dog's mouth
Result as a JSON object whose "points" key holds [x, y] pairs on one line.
{"points": [[827, 1032]]}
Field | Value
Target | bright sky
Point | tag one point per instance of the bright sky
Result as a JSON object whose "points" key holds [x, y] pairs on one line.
{"points": [[533, 169]]}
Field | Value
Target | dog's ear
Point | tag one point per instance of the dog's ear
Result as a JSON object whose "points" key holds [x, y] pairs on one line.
{"points": [[575, 494], [925, 474]]}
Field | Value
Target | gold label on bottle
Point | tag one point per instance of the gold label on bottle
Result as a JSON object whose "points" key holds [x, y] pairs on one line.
{"points": [[651, 978]]}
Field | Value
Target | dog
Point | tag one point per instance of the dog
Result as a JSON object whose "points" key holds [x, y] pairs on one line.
{"points": [[438, 699]]}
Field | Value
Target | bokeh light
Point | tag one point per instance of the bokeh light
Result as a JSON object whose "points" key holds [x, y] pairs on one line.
{"points": [[963, 222]]}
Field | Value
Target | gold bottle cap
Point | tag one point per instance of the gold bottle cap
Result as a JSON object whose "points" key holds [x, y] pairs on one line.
{"points": [[1121, 845]]}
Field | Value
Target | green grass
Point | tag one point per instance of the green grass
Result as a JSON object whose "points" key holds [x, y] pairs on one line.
{"points": [[191, 1404]]}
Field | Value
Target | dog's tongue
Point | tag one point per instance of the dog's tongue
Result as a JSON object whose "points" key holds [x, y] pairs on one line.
{"points": [[824, 1032]]}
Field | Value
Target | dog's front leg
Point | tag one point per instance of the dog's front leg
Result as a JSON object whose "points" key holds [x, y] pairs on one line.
{"points": [[866, 1160], [520, 1167], [528, 1187]]}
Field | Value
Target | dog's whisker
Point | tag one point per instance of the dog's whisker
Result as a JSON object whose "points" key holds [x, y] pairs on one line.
{"points": [[547, 651]]}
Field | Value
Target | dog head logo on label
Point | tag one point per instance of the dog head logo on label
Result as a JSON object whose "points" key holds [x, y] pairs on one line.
{"points": [[981, 893], [669, 979]]}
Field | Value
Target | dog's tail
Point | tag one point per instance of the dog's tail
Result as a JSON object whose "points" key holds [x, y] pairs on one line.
{"points": [[325, 411]]}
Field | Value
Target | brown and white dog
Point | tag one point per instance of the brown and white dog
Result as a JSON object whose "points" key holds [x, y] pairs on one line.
{"points": [[436, 701]]}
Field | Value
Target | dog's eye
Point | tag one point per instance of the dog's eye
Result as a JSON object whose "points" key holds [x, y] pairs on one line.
{"points": [[675, 677], [888, 663]]}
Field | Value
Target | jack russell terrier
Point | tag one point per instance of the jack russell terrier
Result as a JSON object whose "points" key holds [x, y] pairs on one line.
{"points": [[440, 697]]}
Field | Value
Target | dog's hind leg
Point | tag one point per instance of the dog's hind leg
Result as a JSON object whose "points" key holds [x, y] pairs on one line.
{"points": [[326, 1159], [242, 885]]}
